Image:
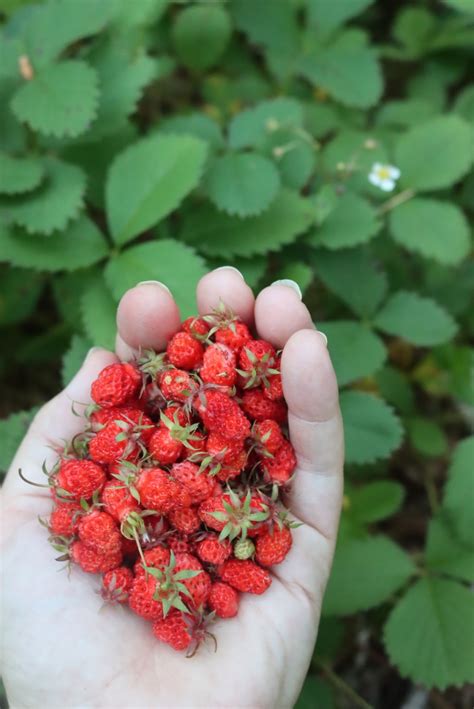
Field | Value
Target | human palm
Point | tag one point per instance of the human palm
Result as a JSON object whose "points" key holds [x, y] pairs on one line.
{"points": [[62, 648]]}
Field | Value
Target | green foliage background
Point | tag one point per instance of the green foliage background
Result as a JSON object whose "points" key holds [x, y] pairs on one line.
{"points": [[157, 139]]}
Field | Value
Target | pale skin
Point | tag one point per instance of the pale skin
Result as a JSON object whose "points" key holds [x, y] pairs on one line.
{"points": [[60, 650]]}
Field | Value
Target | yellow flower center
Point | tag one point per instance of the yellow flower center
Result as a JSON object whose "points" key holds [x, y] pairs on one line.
{"points": [[383, 172]]}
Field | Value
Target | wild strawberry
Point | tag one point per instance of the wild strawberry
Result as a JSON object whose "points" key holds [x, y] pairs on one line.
{"points": [[234, 336], [257, 361], [118, 501], [176, 385], [219, 366], [100, 417], [273, 546], [115, 385], [179, 543], [223, 449], [93, 562], [174, 630], [268, 437], [123, 438], [223, 600], [258, 407], [141, 598], [185, 519], [64, 519], [244, 549], [197, 444], [176, 413], [116, 585], [157, 490], [158, 558], [232, 515], [197, 327], [213, 551], [184, 351], [80, 478], [129, 549], [280, 468], [165, 449], [198, 585], [273, 388], [245, 576], [199, 485], [221, 414], [99, 531]]}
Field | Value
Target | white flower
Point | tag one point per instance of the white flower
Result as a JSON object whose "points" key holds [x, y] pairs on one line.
{"points": [[384, 176]]}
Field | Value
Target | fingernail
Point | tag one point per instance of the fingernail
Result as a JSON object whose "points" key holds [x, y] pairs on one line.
{"points": [[229, 268], [289, 284], [154, 283], [324, 337], [91, 352]]}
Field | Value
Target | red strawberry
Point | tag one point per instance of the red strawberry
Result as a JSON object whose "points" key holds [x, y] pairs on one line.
{"points": [[184, 351], [221, 414], [197, 327], [199, 485], [115, 385], [281, 467], [273, 546], [116, 585], [118, 500], [177, 414], [64, 519], [185, 519], [223, 600], [80, 478], [98, 531], [198, 586], [259, 407], [165, 449], [233, 514], [257, 361], [91, 561], [179, 543], [268, 436], [141, 598], [273, 388], [223, 449], [219, 366], [234, 336], [176, 385], [158, 558], [213, 551], [123, 438], [157, 490], [245, 576], [174, 630]]}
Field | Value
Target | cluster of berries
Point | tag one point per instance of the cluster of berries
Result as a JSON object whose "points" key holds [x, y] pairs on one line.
{"points": [[172, 491]]}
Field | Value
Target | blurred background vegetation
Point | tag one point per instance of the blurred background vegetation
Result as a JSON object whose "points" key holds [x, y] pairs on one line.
{"points": [[156, 139]]}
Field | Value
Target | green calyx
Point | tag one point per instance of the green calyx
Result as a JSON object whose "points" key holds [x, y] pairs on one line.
{"points": [[170, 586], [244, 549], [239, 516]]}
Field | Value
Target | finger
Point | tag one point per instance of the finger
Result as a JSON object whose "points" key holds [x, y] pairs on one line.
{"points": [[279, 313], [147, 316], [227, 285], [55, 423]]}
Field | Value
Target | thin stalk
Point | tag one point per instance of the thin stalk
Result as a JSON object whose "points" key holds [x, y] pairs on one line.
{"points": [[342, 686], [396, 201]]}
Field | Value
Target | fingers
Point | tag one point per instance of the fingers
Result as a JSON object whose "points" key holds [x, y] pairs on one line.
{"points": [[225, 284], [55, 423], [147, 316], [279, 313]]}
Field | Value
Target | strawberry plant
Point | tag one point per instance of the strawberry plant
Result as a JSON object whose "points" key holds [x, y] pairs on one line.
{"points": [[330, 143]]}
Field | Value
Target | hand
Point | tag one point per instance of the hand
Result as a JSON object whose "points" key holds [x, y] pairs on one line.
{"points": [[60, 651]]}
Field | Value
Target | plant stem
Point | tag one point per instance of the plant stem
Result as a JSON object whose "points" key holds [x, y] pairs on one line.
{"points": [[343, 687], [396, 201], [431, 491]]}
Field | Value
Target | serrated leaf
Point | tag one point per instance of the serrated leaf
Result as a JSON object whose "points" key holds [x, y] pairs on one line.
{"points": [[426, 436], [12, 431], [49, 208], [354, 277], [326, 16], [242, 184], [367, 351], [372, 430], [435, 154], [375, 501], [197, 124], [446, 554], [459, 490], [418, 320], [435, 229], [218, 234], [20, 290], [158, 260], [19, 175], [80, 245], [250, 128], [74, 357], [357, 152], [437, 616], [169, 168], [60, 100], [200, 35], [352, 221], [355, 562], [98, 310]]}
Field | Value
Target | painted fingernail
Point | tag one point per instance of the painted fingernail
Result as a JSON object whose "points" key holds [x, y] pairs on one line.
{"points": [[154, 283], [229, 268], [324, 337], [289, 284]]}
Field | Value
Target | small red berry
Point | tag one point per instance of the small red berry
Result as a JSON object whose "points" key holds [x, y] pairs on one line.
{"points": [[223, 600], [116, 585], [80, 478], [115, 385], [273, 546], [184, 351], [245, 576]]}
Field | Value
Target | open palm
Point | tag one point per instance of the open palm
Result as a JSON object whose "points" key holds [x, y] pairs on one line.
{"points": [[60, 649]]}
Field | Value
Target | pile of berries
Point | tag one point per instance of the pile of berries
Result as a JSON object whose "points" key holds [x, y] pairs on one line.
{"points": [[172, 491]]}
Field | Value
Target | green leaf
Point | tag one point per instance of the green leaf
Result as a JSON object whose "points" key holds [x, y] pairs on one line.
{"points": [[326, 16], [12, 431], [197, 124], [252, 269], [98, 315], [330, 640], [375, 501], [175, 264], [61, 100], [435, 229], [353, 277], [461, 5], [394, 386], [418, 320], [406, 113], [169, 167], [242, 184], [459, 490], [250, 128], [74, 357], [446, 554], [355, 562], [218, 234], [80, 245], [353, 221], [437, 616], [415, 28], [19, 175], [426, 436], [366, 351], [349, 73], [200, 35], [315, 693], [20, 290], [464, 104], [372, 430], [435, 154], [53, 205]]}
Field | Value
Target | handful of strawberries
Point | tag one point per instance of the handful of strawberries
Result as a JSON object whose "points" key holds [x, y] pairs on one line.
{"points": [[172, 491]]}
